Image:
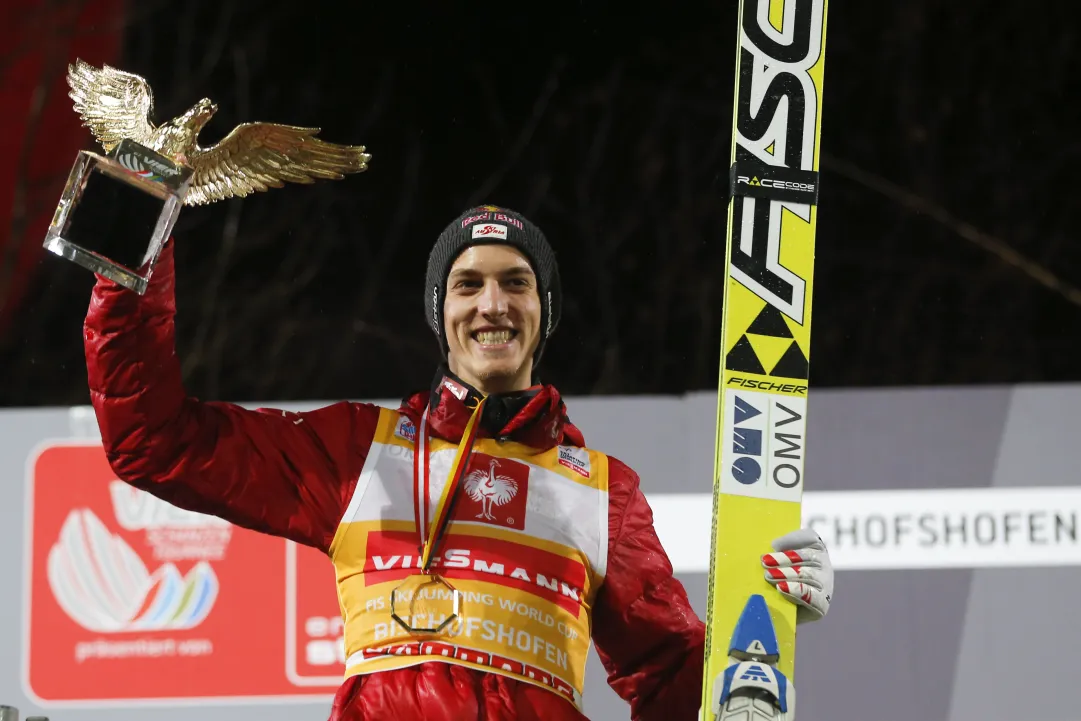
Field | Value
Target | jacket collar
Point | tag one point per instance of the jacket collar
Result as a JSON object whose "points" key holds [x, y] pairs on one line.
{"points": [[536, 417]]}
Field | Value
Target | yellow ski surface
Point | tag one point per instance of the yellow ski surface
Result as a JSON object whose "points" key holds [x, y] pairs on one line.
{"points": [[766, 326]]}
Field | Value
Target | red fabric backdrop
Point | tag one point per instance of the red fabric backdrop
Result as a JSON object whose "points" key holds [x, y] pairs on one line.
{"points": [[39, 132]]}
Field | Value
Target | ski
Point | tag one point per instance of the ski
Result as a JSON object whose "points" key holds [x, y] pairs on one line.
{"points": [[765, 346]]}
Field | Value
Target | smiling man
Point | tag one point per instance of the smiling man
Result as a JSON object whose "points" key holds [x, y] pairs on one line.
{"points": [[478, 543], [492, 315]]}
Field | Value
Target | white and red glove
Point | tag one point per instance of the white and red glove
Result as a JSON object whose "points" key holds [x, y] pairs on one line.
{"points": [[800, 569]]}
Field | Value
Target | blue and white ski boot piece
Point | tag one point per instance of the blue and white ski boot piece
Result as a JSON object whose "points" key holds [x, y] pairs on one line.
{"points": [[751, 688]]}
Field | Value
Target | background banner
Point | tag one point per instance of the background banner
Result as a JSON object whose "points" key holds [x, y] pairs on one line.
{"points": [[952, 517]]}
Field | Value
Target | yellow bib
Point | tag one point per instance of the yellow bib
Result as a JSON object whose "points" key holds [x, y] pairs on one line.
{"points": [[526, 547]]}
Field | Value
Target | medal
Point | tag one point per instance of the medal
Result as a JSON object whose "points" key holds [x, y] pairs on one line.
{"points": [[427, 602], [424, 603]]}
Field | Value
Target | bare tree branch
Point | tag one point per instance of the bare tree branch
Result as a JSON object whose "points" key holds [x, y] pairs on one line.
{"points": [[924, 206]]}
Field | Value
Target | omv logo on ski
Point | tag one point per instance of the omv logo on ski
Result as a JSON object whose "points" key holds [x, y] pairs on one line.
{"points": [[764, 445], [104, 586], [747, 442]]}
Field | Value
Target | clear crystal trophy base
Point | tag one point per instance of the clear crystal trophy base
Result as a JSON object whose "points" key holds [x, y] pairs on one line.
{"points": [[98, 264], [117, 211]]}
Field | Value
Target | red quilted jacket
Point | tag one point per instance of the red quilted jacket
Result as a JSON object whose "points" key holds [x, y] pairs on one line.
{"points": [[292, 475]]}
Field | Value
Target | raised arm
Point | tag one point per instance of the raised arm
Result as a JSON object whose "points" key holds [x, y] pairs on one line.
{"points": [[286, 474], [648, 637]]}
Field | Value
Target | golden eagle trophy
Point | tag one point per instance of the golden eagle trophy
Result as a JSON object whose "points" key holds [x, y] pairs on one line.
{"points": [[117, 210]]}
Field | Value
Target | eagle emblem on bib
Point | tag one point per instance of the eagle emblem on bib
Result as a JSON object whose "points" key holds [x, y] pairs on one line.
{"points": [[490, 489]]}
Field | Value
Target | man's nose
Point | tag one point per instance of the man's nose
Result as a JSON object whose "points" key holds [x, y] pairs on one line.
{"points": [[493, 301]]}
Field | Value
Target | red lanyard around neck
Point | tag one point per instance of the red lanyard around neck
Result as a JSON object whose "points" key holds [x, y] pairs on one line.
{"points": [[432, 530]]}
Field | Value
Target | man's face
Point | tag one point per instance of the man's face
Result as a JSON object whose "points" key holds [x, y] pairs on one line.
{"points": [[492, 318]]}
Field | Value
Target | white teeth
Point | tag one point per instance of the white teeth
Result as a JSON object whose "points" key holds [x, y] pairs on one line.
{"points": [[492, 337]]}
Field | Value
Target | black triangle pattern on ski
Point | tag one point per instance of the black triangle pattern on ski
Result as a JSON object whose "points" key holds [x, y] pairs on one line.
{"points": [[743, 359], [793, 364], [770, 322]]}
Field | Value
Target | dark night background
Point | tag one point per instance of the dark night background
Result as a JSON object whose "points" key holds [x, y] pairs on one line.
{"points": [[947, 246]]}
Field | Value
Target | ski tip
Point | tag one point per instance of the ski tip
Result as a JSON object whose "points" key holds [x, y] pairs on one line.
{"points": [[754, 636]]}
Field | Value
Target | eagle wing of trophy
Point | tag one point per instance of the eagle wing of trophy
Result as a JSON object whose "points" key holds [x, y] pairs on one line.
{"points": [[112, 103], [258, 156]]}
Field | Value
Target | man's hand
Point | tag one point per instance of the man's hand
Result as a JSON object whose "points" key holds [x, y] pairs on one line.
{"points": [[800, 569]]}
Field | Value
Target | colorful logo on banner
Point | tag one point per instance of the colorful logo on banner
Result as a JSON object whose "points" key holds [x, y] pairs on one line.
{"points": [[103, 585], [133, 599]]}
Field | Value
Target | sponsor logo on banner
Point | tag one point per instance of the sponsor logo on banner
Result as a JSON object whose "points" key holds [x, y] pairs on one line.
{"points": [[905, 529], [943, 528], [576, 459], [103, 585], [763, 454], [131, 599], [489, 230], [494, 492]]}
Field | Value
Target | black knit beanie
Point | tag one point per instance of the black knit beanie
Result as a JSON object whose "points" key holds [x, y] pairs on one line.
{"points": [[491, 225]]}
